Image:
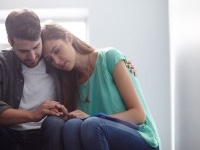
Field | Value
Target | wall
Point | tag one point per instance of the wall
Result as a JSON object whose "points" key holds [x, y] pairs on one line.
{"points": [[140, 30], [185, 50]]}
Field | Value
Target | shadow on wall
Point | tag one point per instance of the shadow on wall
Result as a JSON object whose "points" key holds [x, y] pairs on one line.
{"points": [[187, 99]]}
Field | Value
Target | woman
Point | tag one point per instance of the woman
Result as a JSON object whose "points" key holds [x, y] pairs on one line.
{"points": [[98, 81]]}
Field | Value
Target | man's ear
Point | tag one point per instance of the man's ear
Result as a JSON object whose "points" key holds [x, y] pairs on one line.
{"points": [[10, 42]]}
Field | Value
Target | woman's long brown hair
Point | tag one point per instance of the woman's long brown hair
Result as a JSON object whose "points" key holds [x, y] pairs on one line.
{"points": [[69, 89]]}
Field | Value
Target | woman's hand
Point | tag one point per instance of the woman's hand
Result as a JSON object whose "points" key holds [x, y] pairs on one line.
{"points": [[77, 114]]}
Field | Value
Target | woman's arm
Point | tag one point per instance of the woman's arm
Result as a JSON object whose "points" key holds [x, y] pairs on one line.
{"points": [[135, 112]]}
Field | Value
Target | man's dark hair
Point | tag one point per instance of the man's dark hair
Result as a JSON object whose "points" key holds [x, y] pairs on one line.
{"points": [[23, 24]]}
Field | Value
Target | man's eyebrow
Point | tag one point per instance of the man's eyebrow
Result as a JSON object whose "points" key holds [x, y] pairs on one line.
{"points": [[29, 49], [23, 50], [36, 46]]}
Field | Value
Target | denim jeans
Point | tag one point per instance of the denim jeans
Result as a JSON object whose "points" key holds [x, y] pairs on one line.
{"points": [[49, 137], [100, 134], [19, 140], [52, 131]]}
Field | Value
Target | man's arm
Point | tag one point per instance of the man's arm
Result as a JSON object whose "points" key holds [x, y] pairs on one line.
{"points": [[131, 67], [15, 116]]}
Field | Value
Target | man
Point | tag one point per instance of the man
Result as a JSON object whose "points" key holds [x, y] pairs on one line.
{"points": [[27, 89]]}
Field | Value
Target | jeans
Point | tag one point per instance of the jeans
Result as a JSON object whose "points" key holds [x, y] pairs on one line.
{"points": [[49, 137], [52, 131], [100, 134], [19, 140]]}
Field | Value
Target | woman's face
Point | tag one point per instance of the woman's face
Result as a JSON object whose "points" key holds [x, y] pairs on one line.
{"points": [[59, 53]]}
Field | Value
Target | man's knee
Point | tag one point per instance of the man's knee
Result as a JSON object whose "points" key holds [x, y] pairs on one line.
{"points": [[51, 130], [53, 121]]}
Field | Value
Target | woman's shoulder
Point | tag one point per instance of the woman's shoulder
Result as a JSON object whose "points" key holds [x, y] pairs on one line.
{"points": [[109, 57], [109, 52], [108, 49]]}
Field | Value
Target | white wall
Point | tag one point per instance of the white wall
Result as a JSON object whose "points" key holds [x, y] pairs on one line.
{"points": [[139, 29], [185, 50]]}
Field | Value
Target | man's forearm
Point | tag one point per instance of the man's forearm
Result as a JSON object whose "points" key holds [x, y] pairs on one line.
{"points": [[14, 116]]}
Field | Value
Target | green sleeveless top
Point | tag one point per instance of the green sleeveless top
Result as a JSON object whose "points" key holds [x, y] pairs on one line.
{"points": [[105, 97]]}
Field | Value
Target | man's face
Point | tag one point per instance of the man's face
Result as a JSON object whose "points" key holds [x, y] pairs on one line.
{"points": [[29, 52]]}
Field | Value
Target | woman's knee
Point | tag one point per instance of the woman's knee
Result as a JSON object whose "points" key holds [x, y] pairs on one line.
{"points": [[72, 124], [72, 128], [92, 123]]}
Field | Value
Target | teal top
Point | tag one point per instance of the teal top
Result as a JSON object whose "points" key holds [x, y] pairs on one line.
{"points": [[105, 97]]}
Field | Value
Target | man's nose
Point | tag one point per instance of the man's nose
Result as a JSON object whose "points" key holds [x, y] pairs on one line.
{"points": [[31, 55]]}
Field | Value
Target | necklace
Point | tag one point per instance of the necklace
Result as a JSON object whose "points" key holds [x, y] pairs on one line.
{"points": [[87, 99]]}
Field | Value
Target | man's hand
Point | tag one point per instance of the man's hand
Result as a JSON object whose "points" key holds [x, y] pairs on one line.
{"points": [[62, 111], [46, 108], [131, 67]]}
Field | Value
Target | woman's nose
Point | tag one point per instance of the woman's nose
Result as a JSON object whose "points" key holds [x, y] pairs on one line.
{"points": [[56, 60]]}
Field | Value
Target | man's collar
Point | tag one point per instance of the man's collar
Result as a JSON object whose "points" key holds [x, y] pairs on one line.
{"points": [[16, 61]]}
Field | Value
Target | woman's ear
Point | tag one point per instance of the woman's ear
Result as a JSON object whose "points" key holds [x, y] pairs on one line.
{"points": [[69, 38]]}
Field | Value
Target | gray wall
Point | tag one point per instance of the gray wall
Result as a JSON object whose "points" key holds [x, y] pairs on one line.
{"points": [[185, 50], [187, 120], [140, 30]]}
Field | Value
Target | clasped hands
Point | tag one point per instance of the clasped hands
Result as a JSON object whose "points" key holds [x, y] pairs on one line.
{"points": [[51, 107], [62, 112]]}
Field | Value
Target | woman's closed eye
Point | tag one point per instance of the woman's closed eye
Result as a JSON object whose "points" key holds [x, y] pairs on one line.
{"points": [[55, 51]]}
